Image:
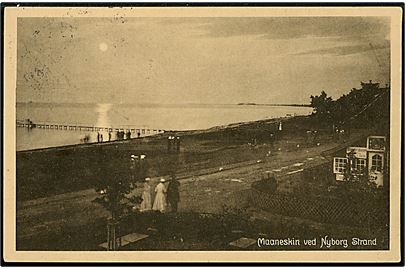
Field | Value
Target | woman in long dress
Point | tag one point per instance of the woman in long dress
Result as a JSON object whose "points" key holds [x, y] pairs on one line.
{"points": [[146, 203], [160, 200]]}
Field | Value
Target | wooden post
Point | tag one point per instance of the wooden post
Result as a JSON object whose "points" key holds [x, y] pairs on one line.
{"points": [[113, 238]]}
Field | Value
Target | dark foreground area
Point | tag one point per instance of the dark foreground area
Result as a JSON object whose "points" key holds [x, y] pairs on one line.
{"points": [[203, 231]]}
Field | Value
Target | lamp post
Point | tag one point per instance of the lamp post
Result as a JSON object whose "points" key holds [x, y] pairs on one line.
{"points": [[170, 143], [138, 167], [178, 144], [142, 167], [173, 144]]}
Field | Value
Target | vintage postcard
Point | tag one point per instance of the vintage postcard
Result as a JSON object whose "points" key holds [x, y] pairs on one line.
{"points": [[204, 134]]}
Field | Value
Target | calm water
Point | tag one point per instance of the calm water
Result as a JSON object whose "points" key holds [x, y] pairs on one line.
{"points": [[158, 117]]}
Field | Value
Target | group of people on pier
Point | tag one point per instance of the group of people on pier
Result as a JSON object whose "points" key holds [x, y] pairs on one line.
{"points": [[99, 137], [120, 135], [166, 194]]}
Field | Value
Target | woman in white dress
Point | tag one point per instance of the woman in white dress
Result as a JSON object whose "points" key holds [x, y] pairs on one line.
{"points": [[146, 203], [160, 200]]}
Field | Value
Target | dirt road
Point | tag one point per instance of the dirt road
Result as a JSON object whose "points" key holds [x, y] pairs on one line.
{"points": [[201, 191]]}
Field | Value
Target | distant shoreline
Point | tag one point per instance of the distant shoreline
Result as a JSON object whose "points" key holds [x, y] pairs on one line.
{"points": [[271, 104], [163, 104]]}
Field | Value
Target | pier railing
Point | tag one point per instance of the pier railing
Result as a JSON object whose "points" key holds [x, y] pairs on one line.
{"points": [[143, 130]]}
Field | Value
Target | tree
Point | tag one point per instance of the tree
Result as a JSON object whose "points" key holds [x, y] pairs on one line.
{"points": [[114, 184], [322, 105], [364, 107], [114, 190]]}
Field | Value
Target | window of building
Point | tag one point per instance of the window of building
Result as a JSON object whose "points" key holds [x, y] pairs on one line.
{"points": [[358, 166], [339, 165], [376, 163]]}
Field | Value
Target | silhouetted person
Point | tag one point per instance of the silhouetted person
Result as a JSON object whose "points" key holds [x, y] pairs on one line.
{"points": [[173, 195], [101, 137], [109, 136], [98, 137]]}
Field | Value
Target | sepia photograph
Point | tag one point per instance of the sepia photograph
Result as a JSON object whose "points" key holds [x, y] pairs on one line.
{"points": [[258, 133]]}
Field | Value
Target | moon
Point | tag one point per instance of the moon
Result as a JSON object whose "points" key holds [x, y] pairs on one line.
{"points": [[103, 46]]}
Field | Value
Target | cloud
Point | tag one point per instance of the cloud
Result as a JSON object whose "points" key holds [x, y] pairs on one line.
{"points": [[347, 49], [295, 27], [198, 59]]}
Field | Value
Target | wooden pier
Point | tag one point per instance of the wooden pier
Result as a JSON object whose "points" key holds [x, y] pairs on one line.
{"points": [[142, 131]]}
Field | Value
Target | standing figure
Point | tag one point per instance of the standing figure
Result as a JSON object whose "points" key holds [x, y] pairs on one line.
{"points": [[109, 136], [146, 204], [173, 196], [160, 200], [101, 137]]}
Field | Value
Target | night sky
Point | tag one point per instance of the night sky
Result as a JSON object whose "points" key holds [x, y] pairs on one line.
{"points": [[198, 60]]}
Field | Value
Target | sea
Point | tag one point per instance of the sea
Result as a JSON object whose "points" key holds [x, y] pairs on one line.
{"points": [[145, 119]]}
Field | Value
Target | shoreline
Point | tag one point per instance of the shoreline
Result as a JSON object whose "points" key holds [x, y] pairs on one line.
{"points": [[157, 136]]}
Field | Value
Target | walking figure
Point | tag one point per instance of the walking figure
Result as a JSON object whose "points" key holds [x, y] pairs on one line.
{"points": [[146, 204], [160, 199]]}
